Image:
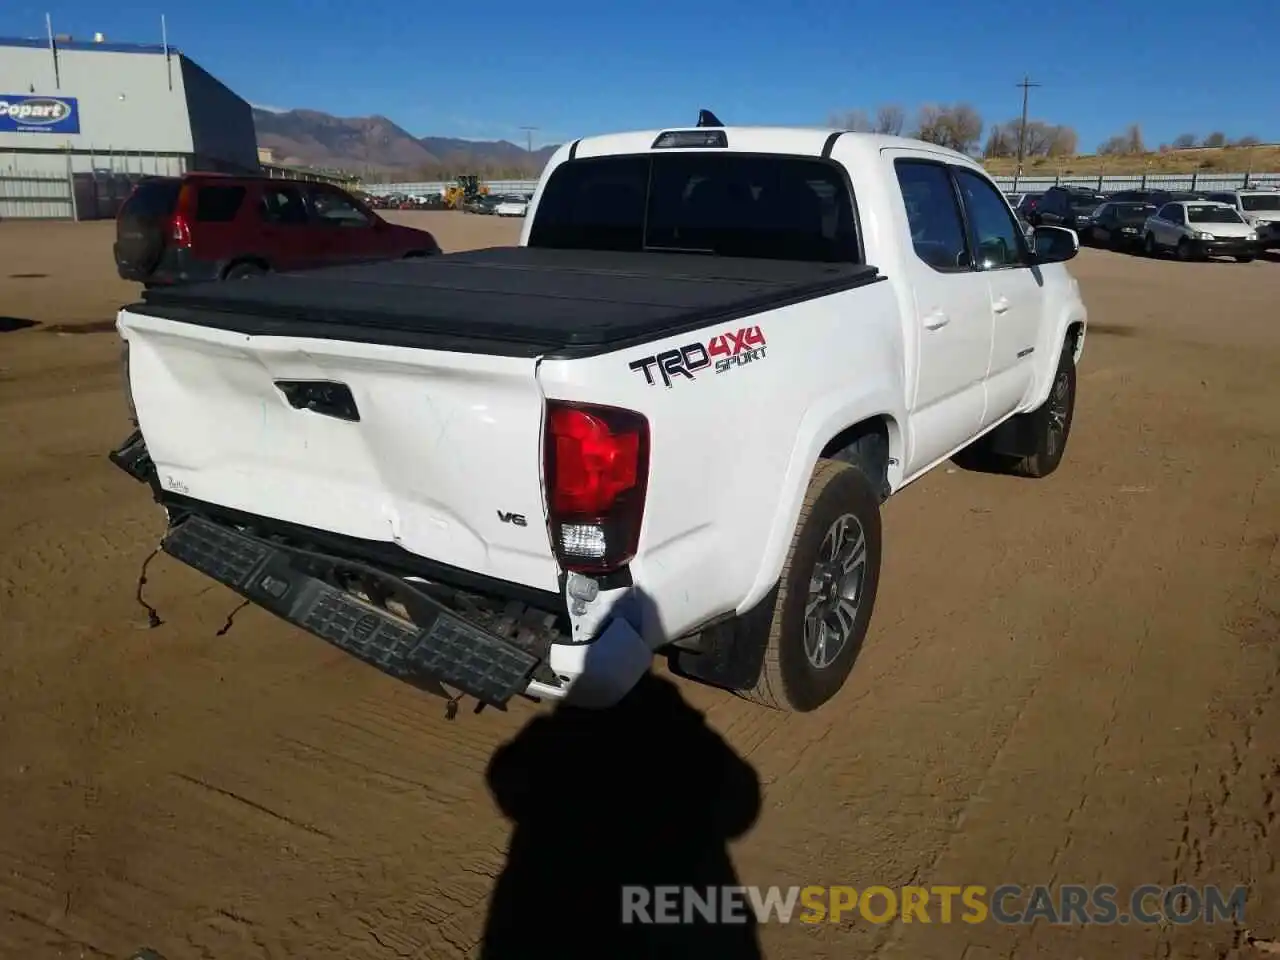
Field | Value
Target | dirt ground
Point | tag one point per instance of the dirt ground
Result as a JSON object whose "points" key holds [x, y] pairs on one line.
{"points": [[1072, 680]]}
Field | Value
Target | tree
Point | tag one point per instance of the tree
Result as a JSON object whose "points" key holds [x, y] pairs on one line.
{"points": [[1128, 142], [1184, 141], [852, 120], [1112, 146], [890, 119], [958, 127], [1133, 139], [1001, 142], [1042, 140], [1248, 141], [1215, 139]]}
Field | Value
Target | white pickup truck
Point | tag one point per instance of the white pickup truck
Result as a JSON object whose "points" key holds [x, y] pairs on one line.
{"points": [[665, 422]]}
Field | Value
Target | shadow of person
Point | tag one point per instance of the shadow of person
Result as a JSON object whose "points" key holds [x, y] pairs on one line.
{"points": [[644, 794]]}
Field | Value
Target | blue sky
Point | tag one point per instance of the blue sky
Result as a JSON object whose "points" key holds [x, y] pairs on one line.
{"points": [[582, 67]]}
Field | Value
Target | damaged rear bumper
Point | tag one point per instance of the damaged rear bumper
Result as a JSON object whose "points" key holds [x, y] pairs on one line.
{"points": [[434, 645], [395, 611]]}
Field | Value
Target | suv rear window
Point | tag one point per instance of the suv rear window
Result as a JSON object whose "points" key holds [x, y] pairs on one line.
{"points": [[152, 200], [736, 205], [218, 204]]}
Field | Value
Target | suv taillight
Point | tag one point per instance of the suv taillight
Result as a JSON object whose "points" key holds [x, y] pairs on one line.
{"points": [[597, 469], [180, 231], [179, 225]]}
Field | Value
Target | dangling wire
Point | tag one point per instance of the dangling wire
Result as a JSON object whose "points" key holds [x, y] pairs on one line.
{"points": [[231, 618], [153, 618]]}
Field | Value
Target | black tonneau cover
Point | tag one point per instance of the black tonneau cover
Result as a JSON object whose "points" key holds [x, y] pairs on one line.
{"points": [[520, 301]]}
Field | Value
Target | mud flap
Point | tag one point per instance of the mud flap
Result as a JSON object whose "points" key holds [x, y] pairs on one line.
{"points": [[1018, 436], [437, 646], [728, 655]]}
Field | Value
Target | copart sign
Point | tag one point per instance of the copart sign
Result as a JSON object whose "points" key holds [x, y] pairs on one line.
{"points": [[28, 113]]}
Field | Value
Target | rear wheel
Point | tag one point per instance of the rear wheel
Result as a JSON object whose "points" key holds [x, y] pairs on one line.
{"points": [[1040, 435], [825, 596], [243, 271], [1052, 421]]}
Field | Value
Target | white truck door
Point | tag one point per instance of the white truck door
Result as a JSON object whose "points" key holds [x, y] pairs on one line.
{"points": [[953, 310], [1003, 258]]}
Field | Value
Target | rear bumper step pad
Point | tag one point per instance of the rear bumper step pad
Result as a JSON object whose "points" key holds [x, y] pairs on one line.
{"points": [[445, 648]]}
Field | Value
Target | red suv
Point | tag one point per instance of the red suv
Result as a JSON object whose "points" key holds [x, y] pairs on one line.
{"points": [[206, 226]]}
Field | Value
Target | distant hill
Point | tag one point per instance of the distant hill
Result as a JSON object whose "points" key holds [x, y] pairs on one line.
{"points": [[376, 145], [1264, 158]]}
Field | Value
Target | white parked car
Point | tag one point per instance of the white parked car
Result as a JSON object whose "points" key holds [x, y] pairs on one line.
{"points": [[1197, 229], [512, 206], [664, 423], [1260, 209]]}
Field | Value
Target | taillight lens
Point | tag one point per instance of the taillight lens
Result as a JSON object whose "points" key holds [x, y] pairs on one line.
{"points": [[179, 225], [180, 231], [597, 466]]}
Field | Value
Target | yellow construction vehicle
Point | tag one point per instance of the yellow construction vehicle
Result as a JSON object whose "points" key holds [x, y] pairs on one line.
{"points": [[466, 190]]}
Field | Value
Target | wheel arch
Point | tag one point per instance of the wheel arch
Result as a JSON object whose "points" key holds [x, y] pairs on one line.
{"points": [[885, 453], [826, 433]]}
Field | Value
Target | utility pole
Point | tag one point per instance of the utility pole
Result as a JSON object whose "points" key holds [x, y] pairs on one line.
{"points": [[1026, 86], [529, 137]]}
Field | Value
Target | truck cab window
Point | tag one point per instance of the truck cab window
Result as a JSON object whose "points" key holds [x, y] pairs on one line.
{"points": [[736, 205], [996, 234], [933, 214]]}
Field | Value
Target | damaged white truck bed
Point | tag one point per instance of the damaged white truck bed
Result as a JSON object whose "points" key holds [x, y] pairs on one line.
{"points": [[664, 423]]}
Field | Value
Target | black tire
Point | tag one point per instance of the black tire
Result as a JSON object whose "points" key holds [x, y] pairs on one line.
{"points": [[1184, 250], [1149, 246], [1244, 259], [1052, 421], [790, 677], [243, 271]]}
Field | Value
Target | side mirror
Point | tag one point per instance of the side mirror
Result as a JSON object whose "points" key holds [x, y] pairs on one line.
{"points": [[1054, 244]]}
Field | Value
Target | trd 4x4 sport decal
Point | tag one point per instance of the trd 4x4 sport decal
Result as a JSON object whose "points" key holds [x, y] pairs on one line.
{"points": [[727, 351]]}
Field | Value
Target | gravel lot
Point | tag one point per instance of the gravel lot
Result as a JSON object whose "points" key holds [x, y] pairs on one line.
{"points": [[1066, 681]]}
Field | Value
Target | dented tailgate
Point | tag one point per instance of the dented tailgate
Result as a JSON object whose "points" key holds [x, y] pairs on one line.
{"points": [[438, 452]]}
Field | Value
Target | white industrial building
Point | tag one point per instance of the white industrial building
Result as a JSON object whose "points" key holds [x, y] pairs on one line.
{"points": [[80, 121]]}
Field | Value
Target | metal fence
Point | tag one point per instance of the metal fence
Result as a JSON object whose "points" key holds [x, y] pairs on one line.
{"points": [[1152, 181], [35, 195], [1101, 183], [424, 188]]}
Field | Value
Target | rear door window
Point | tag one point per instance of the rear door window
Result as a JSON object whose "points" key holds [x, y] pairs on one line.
{"points": [[152, 200], [283, 205], [738, 205], [933, 214], [218, 204]]}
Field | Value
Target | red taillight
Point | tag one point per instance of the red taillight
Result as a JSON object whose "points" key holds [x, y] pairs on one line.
{"points": [[180, 231], [179, 226], [597, 463]]}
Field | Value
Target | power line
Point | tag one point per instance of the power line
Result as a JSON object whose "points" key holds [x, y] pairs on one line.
{"points": [[529, 136], [1026, 86]]}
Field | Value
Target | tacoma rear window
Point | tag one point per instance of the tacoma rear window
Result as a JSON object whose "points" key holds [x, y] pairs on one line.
{"points": [[737, 205]]}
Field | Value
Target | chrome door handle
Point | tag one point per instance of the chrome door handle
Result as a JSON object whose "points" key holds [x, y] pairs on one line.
{"points": [[936, 320], [1001, 305]]}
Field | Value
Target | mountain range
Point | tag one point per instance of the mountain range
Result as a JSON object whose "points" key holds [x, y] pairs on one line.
{"points": [[374, 145]]}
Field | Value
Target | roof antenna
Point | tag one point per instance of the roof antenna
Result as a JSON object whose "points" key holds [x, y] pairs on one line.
{"points": [[708, 119]]}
